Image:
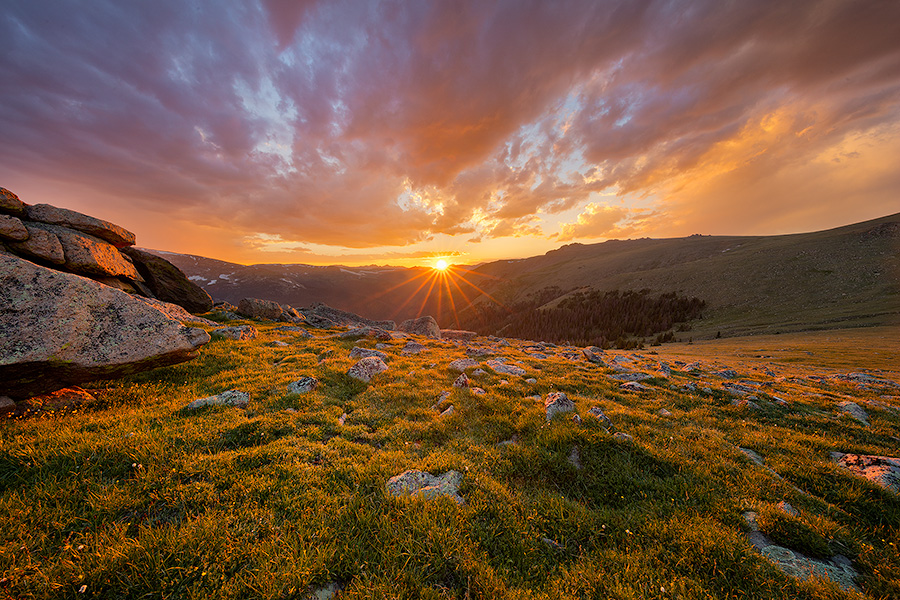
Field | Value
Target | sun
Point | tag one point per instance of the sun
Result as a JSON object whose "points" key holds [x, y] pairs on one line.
{"points": [[441, 265]]}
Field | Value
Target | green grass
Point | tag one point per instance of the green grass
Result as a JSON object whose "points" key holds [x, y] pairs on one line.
{"points": [[134, 497]]}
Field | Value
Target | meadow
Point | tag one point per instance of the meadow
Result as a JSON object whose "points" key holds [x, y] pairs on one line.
{"points": [[133, 496]]}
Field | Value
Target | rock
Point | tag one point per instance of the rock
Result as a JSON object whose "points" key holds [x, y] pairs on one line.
{"points": [[7, 404], [479, 373], [504, 369], [593, 354], [259, 309], [424, 326], [576, 418], [461, 381], [323, 316], [854, 410], [367, 331], [448, 411], [367, 368], [443, 397], [168, 283], [882, 470], [477, 391], [106, 231], [303, 385], [173, 311], [556, 403], [634, 386], [10, 203], [753, 456], [279, 344], [622, 436], [461, 364], [358, 352], [289, 314], [40, 244], [426, 485], [411, 348], [234, 398], [664, 413], [531, 380], [574, 457], [745, 403], [601, 417], [241, 332], [631, 376], [788, 509], [342, 419], [727, 373], [458, 335], [12, 228], [478, 351], [59, 329], [89, 255], [292, 329]]}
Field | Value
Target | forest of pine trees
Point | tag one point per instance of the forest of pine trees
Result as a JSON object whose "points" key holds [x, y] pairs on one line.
{"points": [[605, 319]]}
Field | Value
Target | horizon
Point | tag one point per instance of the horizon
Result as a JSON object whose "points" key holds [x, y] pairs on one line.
{"points": [[356, 133]]}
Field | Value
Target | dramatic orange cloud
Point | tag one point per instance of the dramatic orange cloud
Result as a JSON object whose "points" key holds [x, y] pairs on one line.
{"points": [[365, 131]]}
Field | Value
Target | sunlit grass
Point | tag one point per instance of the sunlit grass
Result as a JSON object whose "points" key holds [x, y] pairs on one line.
{"points": [[134, 497]]}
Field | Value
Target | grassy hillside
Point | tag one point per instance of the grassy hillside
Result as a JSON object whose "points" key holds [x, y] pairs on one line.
{"points": [[132, 496], [849, 276]]}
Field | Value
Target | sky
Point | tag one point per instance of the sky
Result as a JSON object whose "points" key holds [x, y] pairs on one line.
{"points": [[369, 132]]}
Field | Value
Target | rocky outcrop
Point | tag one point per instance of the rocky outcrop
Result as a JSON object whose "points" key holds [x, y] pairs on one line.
{"points": [[59, 329], [78, 243], [424, 326], [556, 403], [168, 283], [323, 316], [259, 309], [881, 470]]}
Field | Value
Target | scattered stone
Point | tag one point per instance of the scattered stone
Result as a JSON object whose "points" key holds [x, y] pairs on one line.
{"points": [[59, 329], [692, 367], [622, 436], [593, 354], [426, 485], [461, 364], [531, 380], [556, 403], [477, 391], [727, 373], [12, 228], [412, 348], [342, 419], [779, 401], [289, 314], [882, 470], [239, 332], [7, 405], [234, 398], [303, 385], [279, 344], [106, 231], [458, 335], [358, 352], [664, 413], [745, 403], [461, 381], [513, 440], [576, 418], [504, 369], [443, 397], [634, 386], [168, 283], [479, 373], [323, 316], [424, 326], [665, 370], [448, 411], [598, 413], [367, 331], [631, 376], [367, 368], [787, 509], [854, 410], [478, 351], [550, 543]]}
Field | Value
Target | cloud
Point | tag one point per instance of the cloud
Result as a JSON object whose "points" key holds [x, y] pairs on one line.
{"points": [[596, 221], [360, 124]]}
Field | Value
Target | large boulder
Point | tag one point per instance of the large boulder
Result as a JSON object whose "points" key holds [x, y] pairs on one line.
{"points": [[59, 329], [168, 283], [40, 244], [12, 228], [424, 326], [115, 235], [260, 309]]}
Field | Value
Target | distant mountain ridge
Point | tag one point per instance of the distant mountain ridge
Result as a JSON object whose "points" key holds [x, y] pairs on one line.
{"points": [[843, 277]]}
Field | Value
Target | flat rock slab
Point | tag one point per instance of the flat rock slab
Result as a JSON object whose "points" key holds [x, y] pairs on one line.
{"points": [[504, 369], [461, 364], [882, 470], [115, 235], [303, 385], [90, 255], [234, 398], [59, 330], [426, 485]]}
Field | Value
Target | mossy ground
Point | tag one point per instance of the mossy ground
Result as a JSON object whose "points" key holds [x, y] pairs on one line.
{"points": [[131, 496]]}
